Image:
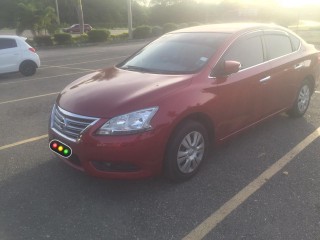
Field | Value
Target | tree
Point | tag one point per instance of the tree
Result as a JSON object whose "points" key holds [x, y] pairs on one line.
{"points": [[39, 15], [7, 13], [142, 2], [166, 2], [80, 15], [48, 20], [36, 17], [106, 13]]}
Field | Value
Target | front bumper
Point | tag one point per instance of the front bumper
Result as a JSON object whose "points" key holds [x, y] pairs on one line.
{"points": [[116, 157]]}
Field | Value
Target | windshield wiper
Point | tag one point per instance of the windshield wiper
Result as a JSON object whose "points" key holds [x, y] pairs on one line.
{"points": [[135, 68], [155, 71]]}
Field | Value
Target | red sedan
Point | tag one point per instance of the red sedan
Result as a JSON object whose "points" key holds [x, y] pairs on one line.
{"points": [[75, 28], [160, 110]]}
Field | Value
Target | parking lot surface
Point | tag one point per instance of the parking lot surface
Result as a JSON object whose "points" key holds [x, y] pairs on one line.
{"points": [[264, 184]]}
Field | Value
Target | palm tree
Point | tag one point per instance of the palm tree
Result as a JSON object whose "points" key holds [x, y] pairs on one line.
{"points": [[36, 18], [27, 18], [48, 20]]}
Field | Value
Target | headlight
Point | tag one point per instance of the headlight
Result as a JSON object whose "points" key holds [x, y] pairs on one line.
{"points": [[129, 123]]}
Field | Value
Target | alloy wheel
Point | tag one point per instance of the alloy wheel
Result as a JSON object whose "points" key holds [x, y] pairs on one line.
{"points": [[304, 98], [190, 152]]}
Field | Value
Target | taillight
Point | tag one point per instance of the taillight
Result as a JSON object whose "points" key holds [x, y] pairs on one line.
{"points": [[32, 50]]}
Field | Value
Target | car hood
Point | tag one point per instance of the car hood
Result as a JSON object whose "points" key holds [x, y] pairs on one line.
{"points": [[110, 92]]}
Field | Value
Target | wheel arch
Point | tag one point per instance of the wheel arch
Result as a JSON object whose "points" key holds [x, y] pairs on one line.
{"points": [[198, 117], [310, 79], [202, 118], [205, 121]]}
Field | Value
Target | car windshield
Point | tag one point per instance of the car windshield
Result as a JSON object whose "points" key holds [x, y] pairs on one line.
{"points": [[176, 53]]}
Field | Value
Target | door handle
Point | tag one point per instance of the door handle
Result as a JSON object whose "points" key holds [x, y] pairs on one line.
{"points": [[297, 66], [265, 79]]}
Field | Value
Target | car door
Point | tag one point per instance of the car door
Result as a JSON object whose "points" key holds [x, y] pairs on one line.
{"points": [[9, 55], [76, 28], [239, 93], [280, 85]]}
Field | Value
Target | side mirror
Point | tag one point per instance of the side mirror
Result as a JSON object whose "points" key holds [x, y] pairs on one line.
{"points": [[231, 67], [225, 68]]}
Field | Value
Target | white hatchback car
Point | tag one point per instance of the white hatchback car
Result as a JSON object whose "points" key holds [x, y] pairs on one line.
{"points": [[16, 55]]}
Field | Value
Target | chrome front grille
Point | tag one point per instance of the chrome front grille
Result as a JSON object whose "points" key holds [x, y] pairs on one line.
{"points": [[69, 125]]}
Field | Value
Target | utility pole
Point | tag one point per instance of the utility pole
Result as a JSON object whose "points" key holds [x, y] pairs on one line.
{"points": [[57, 11], [129, 18]]}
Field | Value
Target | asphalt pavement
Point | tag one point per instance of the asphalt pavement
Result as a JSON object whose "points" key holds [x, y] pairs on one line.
{"points": [[264, 184]]}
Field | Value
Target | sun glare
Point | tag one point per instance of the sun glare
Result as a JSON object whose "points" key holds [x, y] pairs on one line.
{"points": [[297, 3], [284, 3]]}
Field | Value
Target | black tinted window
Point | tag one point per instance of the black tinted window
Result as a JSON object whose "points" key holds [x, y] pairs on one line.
{"points": [[277, 45], [7, 43], [247, 51]]}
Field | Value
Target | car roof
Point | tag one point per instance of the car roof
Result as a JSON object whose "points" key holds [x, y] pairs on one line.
{"points": [[78, 24], [230, 27], [13, 37]]}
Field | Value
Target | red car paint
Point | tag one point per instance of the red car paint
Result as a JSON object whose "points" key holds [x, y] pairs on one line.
{"points": [[75, 28], [227, 104]]}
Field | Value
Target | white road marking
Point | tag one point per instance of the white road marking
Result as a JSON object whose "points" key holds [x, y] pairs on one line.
{"points": [[70, 64], [27, 98], [212, 221], [55, 76], [317, 91], [47, 66], [23, 142], [75, 57]]}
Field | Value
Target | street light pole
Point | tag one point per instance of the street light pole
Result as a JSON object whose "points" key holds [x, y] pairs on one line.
{"points": [[129, 18], [57, 11]]}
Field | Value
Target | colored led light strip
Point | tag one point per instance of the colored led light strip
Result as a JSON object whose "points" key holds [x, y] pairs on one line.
{"points": [[60, 148]]}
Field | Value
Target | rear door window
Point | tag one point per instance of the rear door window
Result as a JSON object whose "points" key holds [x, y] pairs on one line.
{"points": [[277, 45], [6, 43]]}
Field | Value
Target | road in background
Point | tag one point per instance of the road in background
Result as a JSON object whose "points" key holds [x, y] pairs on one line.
{"points": [[42, 198], [28, 33]]}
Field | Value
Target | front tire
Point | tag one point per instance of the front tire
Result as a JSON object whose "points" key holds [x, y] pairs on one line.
{"points": [[302, 101], [28, 68], [186, 150]]}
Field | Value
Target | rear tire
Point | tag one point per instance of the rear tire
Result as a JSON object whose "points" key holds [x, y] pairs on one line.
{"points": [[302, 101], [186, 150], [28, 68]]}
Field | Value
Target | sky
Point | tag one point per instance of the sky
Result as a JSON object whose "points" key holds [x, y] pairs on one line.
{"points": [[285, 3], [297, 3]]}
